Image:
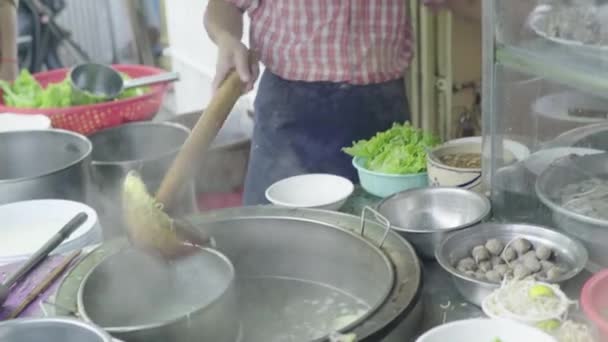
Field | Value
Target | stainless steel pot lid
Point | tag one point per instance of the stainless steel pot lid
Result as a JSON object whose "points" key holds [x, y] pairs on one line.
{"points": [[403, 292]]}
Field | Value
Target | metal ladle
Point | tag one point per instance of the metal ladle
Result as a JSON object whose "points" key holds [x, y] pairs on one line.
{"points": [[103, 82], [41, 254]]}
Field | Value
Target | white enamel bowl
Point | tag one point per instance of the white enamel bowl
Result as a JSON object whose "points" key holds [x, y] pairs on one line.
{"points": [[318, 191]]}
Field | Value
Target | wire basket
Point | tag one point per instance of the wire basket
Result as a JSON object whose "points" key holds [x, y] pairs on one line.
{"points": [[89, 119]]}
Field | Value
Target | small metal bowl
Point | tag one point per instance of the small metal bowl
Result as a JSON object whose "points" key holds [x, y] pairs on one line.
{"points": [[458, 245], [425, 216]]}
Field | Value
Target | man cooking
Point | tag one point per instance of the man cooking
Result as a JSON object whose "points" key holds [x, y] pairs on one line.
{"points": [[334, 75]]}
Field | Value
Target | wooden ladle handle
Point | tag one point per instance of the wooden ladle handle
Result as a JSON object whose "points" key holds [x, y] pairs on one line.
{"points": [[201, 137]]}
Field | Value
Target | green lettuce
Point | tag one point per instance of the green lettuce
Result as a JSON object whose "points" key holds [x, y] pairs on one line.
{"points": [[399, 150], [26, 92]]}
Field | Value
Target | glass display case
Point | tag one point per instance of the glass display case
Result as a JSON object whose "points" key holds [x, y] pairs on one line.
{"points": [[545, 105]]}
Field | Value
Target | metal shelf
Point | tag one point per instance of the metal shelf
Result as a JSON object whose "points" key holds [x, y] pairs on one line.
{"points": [[574, 67]]}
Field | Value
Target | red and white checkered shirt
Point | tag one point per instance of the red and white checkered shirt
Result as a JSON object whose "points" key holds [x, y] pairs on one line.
{"points": [[354, 41]]}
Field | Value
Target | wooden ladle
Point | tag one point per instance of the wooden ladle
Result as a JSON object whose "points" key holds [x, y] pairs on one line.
{"points": [[148, 225]]}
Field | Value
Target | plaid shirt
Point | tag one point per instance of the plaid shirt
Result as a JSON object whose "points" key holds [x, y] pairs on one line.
{"points": [[354, 41]]}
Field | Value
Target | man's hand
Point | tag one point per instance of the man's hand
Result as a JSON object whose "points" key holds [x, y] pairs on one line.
{"points": [[233, 54]]}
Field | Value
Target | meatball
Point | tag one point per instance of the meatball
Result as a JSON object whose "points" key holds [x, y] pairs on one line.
{"points": [[509, 254], [521, 246], [546, 265], [493, 276], [480, 253], [496, 261], [466, 264], [485, 266], [502, 269], [528, 255], [543, 252], [494, 246], [520, 271], [532, 264]]}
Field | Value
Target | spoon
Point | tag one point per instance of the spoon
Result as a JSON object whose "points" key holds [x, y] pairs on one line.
{"points": [[103, 82], [41, 254]]}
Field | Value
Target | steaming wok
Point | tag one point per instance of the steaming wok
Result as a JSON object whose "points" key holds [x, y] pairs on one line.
{"points": [[303, 273]]}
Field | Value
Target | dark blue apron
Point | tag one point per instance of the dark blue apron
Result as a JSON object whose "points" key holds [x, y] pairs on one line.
{"points": [[301, 127]]}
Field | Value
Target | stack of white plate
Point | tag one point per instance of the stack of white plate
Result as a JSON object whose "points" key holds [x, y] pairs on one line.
{"points": [[26, 226], [22, 122]]}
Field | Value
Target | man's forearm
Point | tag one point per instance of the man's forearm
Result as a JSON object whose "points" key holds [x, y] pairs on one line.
{"points": [[223, 18]]}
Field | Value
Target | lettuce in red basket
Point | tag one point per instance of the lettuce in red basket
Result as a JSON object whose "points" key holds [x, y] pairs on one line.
{"points": [[26, 92]]}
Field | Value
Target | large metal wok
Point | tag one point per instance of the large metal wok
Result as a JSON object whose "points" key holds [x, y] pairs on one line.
{"points": [[302, 274]]}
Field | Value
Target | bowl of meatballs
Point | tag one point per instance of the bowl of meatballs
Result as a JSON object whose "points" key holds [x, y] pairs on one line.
{"points": [[480, 258]]}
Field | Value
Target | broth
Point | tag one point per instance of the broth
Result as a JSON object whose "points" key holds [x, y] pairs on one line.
{"points": [[462, 160]]}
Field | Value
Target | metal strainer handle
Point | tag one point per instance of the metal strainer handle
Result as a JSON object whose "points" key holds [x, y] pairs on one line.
{"points": [[378, 217]]}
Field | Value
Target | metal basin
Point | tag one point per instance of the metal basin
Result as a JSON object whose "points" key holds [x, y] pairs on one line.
{"points": [[593, 232], [147, 147], [43, 164], [136, 297], [321, 254], [459, 245], [225, 164], [425, 216], [51, 330]]}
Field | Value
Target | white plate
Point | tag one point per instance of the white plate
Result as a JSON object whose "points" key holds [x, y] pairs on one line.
{"points": [[485, 330], [23, 122], [26, 226]]}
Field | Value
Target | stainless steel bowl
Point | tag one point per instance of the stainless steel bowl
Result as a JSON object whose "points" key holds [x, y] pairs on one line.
{"points": [[149, 148], [51, 330], [139, 298], [43, 164], [425, 216], [458, 245], [592, 232]]}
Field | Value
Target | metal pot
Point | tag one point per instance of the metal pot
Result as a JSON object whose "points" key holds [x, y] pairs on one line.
{"points": [[42, 164], [51, 330], [149, 148], [139, 298], [321, 256], [225, 164], [426, 216]]}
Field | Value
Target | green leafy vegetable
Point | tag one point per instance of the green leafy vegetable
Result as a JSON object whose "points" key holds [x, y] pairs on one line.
{"points": [[399, 150], [26, 92]]}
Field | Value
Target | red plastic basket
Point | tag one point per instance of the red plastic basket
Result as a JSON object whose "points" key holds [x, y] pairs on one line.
{"points": [[89, 119]]}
